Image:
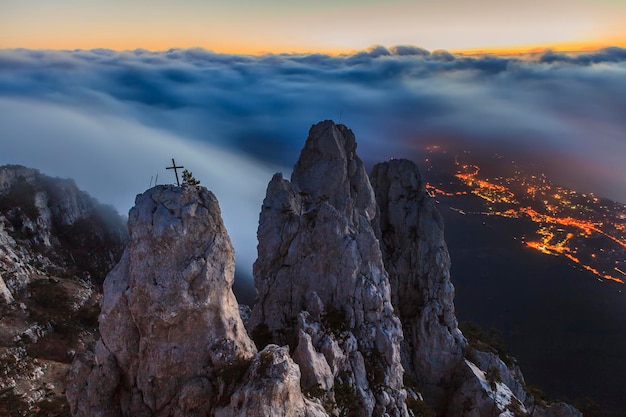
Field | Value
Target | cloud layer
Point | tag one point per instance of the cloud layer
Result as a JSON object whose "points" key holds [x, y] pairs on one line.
{"points": [[113, 120]]}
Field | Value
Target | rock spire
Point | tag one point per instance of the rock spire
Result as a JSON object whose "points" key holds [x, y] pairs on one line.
{"points": [[321, 282], [169, 319]]}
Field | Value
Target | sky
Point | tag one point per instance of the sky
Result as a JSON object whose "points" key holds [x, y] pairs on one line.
{"points": [[108, 92], [328, 26]]}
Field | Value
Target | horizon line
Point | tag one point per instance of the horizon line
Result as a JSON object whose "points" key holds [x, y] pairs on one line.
{"points": [[520, 49]]}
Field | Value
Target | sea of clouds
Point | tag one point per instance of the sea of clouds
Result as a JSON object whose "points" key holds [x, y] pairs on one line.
{"points": [[114, 120]]}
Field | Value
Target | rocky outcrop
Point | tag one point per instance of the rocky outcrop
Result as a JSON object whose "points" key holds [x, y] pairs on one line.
{"points": [[487, 386], [17, 262], [322, 285], [410, 231], [49, 227], [169, 319], [481, 393]]}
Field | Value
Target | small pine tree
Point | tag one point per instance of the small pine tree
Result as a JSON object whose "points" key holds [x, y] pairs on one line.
{"points": [[188, 178]]}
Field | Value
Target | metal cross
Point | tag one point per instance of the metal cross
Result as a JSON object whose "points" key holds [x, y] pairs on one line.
{"points": [[174, 167]]}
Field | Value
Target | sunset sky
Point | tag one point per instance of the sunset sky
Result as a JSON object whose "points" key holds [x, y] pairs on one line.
{"points": [[108, 92], [330, 26]]}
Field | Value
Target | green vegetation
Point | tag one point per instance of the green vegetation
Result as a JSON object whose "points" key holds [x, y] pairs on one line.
{"points": [[53, 407], [334, 319], [515, 407], [265, 363], [410, 382], [314, 391], [493, 377], [228, 377], [540, 397], [348, 403], [20, 196], [376, 365], [13, 405], [485, 341], [188, 178], [588, 407]]}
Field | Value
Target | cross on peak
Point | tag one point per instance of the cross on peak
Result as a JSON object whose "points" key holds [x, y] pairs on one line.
{"points": [[175, 168]]}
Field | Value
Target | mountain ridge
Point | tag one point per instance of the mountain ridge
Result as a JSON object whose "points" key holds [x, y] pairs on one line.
{"points": [[342, 348]]}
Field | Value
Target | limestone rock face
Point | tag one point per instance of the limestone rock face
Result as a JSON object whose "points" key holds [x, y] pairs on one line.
{"points": [[318, 255], [488, 387], [410, 230], [169, 320], [510, 374]]}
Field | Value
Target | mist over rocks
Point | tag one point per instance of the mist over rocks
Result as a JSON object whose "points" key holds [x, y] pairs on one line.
{"points": [[49, 226], [354, 313], [129, 109], [57, 243]]}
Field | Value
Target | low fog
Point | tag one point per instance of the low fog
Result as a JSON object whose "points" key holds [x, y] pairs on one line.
{"points": [[114, 120]]}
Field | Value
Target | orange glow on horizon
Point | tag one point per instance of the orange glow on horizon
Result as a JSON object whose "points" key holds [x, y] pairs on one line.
{"points": [[245, 47], [573, 47], [156, 45]]}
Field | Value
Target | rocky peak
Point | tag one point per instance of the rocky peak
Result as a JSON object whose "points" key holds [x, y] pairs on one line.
{"points": [[55, 243], [329, 169], [169, 319], [322, 286]]}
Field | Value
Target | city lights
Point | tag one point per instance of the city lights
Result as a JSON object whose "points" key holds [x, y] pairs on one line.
{"points": [[588, 231]]}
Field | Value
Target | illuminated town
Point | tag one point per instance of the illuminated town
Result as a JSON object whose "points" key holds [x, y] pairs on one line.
{"points": [[589, 231]]}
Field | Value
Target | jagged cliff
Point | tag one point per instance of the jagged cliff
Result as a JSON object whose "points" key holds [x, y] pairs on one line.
{"points": [[354, 314], [410, 232], [56, 246]]}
